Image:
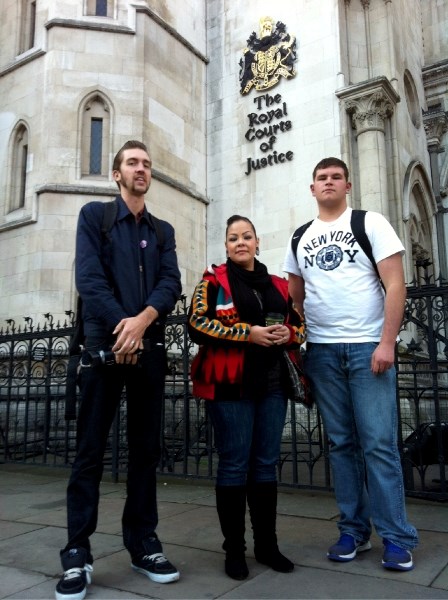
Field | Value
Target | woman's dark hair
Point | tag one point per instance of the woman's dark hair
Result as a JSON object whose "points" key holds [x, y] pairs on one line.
{"points": [[234, 218]]}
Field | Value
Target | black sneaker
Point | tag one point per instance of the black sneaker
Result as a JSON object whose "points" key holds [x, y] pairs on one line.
{"points": [[77, 575], [155, 566]]}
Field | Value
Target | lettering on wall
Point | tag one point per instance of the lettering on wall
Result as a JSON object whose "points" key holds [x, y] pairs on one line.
{"points": [[266, 59], [267, 124]]}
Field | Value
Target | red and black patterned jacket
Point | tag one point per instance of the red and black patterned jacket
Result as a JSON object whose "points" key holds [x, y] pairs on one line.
{"points": [[214, 325]]}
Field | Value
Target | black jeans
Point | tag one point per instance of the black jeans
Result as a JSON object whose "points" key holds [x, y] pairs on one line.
{"points": [[101, 388]]}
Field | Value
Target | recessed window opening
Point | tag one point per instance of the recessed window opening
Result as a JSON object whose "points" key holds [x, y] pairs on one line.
{"points": [[96, 146], [101, 8]]}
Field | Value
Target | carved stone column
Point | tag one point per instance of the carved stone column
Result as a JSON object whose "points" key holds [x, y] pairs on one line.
{"points": [[435, 123], [370, 103]]}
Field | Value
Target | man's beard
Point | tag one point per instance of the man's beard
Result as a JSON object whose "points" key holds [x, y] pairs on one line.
{"points": [[133, 189]]}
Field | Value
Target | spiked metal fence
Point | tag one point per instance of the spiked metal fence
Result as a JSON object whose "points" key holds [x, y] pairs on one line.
{"points": [[33, 368]]}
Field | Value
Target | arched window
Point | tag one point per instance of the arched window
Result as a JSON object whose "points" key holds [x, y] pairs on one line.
{"points": [[411, 95], [18, 168], [419, 213], [420, 230], [95, 136]]}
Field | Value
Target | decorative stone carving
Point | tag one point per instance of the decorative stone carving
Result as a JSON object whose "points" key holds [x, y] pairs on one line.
{"points": [[370, 104], [369, 112], [435, 124]]}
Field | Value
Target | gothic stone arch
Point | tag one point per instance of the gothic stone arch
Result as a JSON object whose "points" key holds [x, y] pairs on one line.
{"points": [[419, 208]]}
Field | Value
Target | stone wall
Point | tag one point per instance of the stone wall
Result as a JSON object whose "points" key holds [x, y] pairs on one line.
{"points": [[148, 64], [168, 72]]}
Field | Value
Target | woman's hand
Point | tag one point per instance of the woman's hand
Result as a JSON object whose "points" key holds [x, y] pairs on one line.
{"points": [[269, 336]]}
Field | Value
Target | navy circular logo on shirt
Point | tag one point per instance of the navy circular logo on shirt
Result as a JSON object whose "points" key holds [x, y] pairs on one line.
{"points": [[329, 258]]}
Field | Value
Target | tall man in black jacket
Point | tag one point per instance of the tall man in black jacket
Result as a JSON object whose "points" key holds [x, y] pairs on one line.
{"points": [[128, 281]]}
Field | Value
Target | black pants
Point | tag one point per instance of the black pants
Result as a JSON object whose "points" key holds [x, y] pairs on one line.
{"points": [[101, 389]]}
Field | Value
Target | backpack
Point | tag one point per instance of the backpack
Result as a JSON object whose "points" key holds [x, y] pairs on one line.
{"points": [[357, 223], [77, 339]]}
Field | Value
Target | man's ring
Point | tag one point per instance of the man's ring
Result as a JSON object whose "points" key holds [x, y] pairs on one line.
{"points": [[132, 342]]}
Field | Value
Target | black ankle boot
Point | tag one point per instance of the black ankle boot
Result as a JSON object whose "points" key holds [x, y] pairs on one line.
{"points": [[236, 566], [274, 559]]}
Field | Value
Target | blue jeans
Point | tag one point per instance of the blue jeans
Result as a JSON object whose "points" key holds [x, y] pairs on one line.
{"points": [[101, 388], [248, 434], [359, 412]]}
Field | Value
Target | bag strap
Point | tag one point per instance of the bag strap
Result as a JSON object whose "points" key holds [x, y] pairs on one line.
{"points": [[110, 210], [357, 223], [156, 223], [297, 236]]}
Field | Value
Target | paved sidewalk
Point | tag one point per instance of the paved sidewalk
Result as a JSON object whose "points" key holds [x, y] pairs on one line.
{"points": [[32, 530]]}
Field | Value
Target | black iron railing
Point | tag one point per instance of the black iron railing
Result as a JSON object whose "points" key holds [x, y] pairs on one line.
{"points": [[33, 363], [422, 382]]}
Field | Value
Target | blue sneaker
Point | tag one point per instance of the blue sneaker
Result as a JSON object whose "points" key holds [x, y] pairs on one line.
{"points": [[396, 558], [346, 548]]}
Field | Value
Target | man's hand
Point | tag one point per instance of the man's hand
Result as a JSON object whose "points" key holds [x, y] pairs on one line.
{"points": [[127, 359], [129, 333], [383, 358], [392, 276]]}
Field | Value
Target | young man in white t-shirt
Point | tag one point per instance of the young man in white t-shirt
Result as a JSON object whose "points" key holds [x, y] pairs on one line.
{"points": [[352, 327]]}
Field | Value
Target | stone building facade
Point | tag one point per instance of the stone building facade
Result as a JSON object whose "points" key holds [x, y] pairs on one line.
{"points": [[364, 80]]}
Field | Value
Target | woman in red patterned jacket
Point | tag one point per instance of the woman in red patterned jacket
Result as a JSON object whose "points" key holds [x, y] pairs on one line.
{"points": [[240, 368]]}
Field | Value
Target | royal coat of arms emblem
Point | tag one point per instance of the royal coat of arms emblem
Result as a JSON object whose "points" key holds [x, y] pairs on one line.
{"points": [[268, 57]]}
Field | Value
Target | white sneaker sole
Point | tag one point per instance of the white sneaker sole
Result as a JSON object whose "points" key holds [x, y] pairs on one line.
{"points": [[157, 578], [80, 595], [394, 566], [347, 557]]}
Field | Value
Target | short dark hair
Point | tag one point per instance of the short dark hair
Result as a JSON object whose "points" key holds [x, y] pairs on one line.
{"points": [[331, 161], [129, 145], [234, 218]]}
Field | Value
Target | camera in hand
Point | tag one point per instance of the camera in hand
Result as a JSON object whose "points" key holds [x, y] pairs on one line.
{"points": [[96, 358]]}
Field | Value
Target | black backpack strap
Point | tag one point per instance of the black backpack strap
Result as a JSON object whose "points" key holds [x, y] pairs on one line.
{"points": [[155, 222], [70, 387], [296, 237], [357, 223], [109, 216], [78, 334], [74, 351]]}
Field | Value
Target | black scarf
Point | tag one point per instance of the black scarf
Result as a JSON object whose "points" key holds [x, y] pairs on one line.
{"points": [[253, 293]]}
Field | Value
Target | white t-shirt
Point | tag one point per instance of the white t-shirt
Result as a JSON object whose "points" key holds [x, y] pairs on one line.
{"points": [[344, 300]]}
